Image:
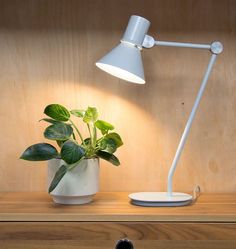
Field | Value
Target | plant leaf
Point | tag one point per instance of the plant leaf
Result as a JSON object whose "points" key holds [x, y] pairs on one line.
{"points": [[39, 152], [58, 131], [78, 113], [104, 126], [50, 120], [91, 115], [116, 137], [72, 152], [108, 157], [108, 145], [57, 178], [57, 112]]}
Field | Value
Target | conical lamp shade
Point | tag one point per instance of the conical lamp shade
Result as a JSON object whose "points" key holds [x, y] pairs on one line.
{"points": [[124, 62]]}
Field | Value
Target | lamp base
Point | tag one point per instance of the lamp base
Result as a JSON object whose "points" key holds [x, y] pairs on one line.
{"points": [[160, 199]]}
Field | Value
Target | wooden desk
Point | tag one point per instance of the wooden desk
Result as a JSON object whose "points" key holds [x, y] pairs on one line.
{"points": [[32, 220]]}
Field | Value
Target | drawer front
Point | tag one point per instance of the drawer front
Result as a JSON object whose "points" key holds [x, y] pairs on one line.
{"points": [[104, 235]]}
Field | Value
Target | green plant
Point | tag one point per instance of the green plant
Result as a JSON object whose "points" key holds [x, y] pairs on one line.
{"points": [[63, 130]]}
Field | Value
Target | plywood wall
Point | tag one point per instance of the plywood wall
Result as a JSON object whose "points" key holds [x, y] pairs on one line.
{"points": [[47, 53]]}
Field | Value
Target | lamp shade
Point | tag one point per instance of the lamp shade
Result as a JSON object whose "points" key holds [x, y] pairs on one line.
{"points": [[125, 61]]}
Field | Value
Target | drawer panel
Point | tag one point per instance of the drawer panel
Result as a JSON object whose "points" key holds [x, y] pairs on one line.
{"points": [[106, 244], [116, 230], [94, 235]]}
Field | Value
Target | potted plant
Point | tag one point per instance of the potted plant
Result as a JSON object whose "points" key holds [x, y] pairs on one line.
{"points": [[73, 170]]}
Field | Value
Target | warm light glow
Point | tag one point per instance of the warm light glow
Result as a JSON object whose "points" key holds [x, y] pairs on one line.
{"points": [[120, 73]]}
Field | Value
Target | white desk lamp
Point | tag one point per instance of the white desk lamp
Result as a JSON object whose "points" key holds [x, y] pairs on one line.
{"points": [[125, 62]]}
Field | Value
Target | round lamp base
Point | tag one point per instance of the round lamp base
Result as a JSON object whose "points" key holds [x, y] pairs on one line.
{"points": [[160, 199]]}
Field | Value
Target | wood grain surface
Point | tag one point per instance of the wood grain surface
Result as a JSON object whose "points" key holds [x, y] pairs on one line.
{"points": [[100, 231], [32, 221], [105, 235], [114, 207], [108, 244], [48, 50], [83, 235]]}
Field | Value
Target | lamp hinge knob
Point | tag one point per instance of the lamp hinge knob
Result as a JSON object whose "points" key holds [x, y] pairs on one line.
{"points": [[216, 47], [148, 41]]}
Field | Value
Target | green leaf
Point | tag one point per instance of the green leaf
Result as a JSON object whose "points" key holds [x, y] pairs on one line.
{"points": [[78, 113], [108, 157], [108, 145], [104, 126], [116, 137], [91, 115], [39, 152], [49, 120], [72, 152], [57, 178], [58, 131], [57, 112]]}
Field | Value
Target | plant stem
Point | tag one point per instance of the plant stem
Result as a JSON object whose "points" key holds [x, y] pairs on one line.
{"points": [[81, 138], [94, 135], [91, 138]]}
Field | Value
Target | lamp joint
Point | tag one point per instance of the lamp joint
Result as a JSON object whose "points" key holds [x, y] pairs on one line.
{"points": [[148, 41], [216, 47]]}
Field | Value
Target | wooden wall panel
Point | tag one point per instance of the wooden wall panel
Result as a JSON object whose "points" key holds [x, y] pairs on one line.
{"points": [[48, 50]]}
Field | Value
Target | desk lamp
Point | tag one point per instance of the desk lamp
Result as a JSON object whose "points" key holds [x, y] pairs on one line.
{"points": [[125, 62]]}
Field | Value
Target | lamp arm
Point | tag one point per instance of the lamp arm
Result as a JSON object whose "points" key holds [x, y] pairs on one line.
{"points": [[215, 48], [188, 125], [182, 44], [149, 42]]}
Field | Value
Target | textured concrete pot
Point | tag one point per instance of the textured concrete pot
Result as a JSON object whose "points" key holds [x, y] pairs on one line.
{"points": [[79, 185]]}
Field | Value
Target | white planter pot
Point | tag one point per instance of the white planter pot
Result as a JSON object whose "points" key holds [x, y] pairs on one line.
{"points": [[78, 185]]}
